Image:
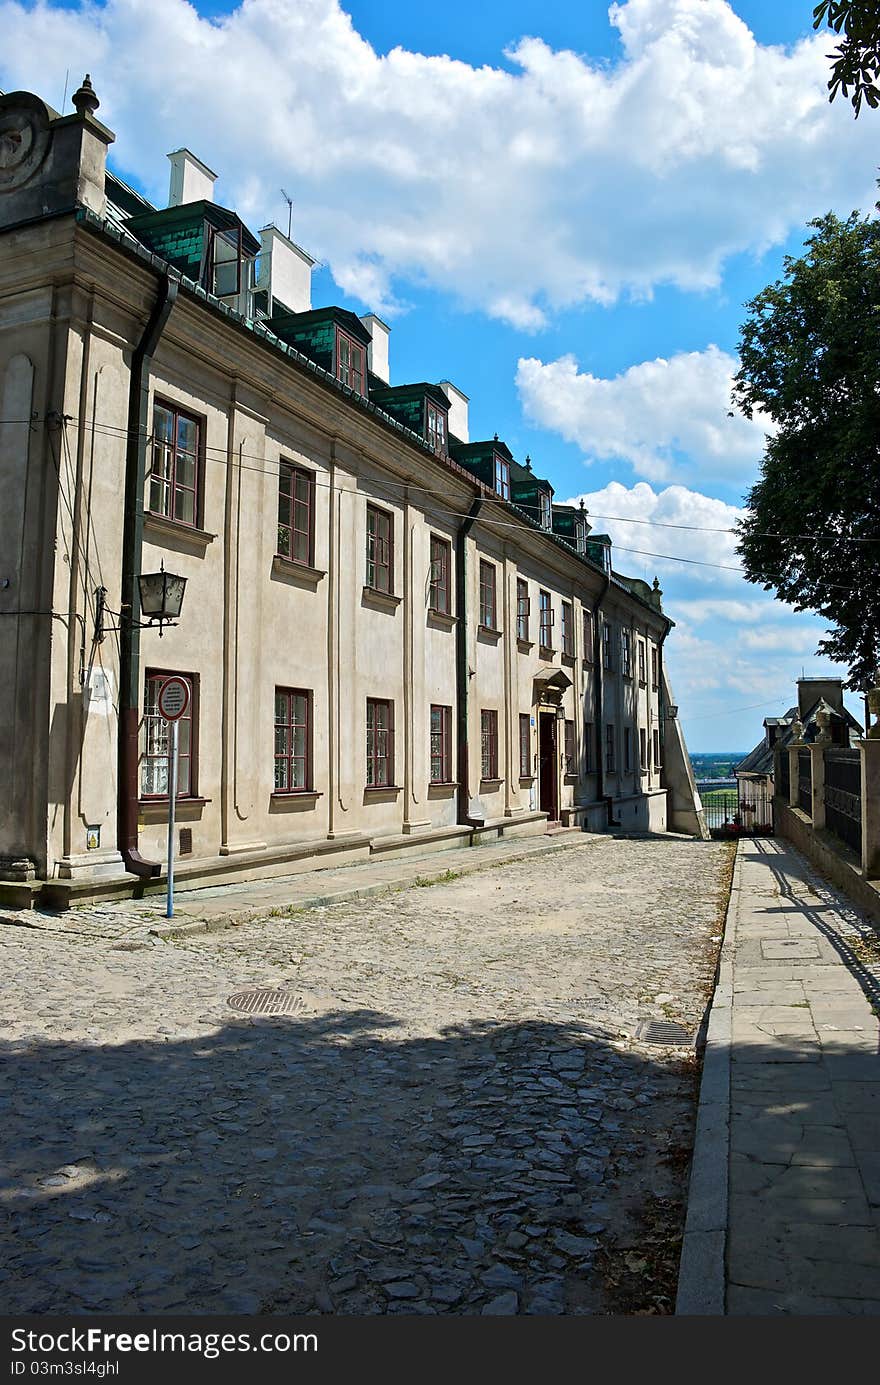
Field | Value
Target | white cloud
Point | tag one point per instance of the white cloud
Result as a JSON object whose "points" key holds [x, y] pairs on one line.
{"points": [[663, 417], [799, 639], [521, 189], [733, 645], [698, 610], [704, 538]]}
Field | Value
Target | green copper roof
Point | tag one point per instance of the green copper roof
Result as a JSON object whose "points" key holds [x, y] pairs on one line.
{"points": [[178, 233]]}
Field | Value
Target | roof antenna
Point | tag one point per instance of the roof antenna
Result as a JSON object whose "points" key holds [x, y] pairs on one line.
{"points": [[289, 201], [64, 97]]}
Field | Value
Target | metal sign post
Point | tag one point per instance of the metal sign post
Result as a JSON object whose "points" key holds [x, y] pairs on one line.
{"points": [[173, 701], [172, 797]]}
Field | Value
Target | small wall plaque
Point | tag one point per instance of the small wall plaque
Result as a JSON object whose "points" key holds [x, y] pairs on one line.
{"points": [[93, 838]]}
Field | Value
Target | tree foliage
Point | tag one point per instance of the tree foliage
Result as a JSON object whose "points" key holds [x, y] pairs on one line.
{"points": [[810, 361], [855, 63]]}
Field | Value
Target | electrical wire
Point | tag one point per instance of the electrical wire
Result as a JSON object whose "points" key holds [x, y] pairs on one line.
{"points": [[730, 711], [274, 470]]}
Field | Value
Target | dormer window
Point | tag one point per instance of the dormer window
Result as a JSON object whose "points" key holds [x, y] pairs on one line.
{"points": [[502, 478], [545, 509], [350, 362], [223, 262], [435, 426], [205, 243], [581, 536]]}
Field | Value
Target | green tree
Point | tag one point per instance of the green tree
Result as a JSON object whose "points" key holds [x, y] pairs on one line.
{"points": [[856, 61], [810, 362]]}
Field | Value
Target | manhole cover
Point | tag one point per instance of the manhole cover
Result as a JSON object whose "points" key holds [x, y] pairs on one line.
{"points": [[663, 1032], [266, 1002]]}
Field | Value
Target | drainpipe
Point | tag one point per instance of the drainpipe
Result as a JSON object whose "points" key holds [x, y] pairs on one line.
{"points": [[599, 665], [132, 545], [461, 662]]}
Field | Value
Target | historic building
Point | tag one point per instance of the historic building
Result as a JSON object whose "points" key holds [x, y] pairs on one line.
{"points": [[391, 634]]}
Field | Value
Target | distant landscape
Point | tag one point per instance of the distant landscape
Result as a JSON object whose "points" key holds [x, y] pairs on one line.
{"points": [[717, 764]]}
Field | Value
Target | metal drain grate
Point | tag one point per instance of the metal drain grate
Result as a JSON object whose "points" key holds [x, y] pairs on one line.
{"points": [[266, 1002], [663, 1032]]}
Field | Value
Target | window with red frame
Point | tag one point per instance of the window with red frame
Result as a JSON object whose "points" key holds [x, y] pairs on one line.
{"points": [[176, 465], [156, 739], [441, 745], [545, 636], [380, 550], [293, 740], [296, 508], [525, 746], [568, 751], [609, 748], [626, 653], [588, 636], [489, 744], [522, 609], [380, 743], [567, 629], [589, 734], [350, 362], [607, 646], [439, 598], [487, 595]]}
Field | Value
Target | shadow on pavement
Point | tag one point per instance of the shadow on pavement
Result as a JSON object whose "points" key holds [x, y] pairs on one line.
{"points": [[329, 1164]]}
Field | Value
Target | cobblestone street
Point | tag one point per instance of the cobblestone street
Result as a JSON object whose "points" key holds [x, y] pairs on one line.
{"points": [[457, 1119]]}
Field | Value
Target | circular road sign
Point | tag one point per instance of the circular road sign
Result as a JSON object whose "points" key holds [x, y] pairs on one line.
{"points": [[173, 698]]}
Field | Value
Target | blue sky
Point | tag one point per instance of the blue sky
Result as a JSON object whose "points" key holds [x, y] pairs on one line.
{"points": [[560, 207]]}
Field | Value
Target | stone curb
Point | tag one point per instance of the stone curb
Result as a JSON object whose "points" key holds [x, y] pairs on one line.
{"points": [[702, 1272], [194, 927]]}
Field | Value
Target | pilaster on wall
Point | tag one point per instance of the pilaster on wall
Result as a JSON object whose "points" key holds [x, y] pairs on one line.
{"points": [[869, 750], [792, 753], [20, 536], [417, 770], [511, 706], [243, 711], [817, 777]]}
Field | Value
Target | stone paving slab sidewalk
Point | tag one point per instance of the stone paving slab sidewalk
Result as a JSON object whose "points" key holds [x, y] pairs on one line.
{"points": [[227, 906], [784, 1204]]}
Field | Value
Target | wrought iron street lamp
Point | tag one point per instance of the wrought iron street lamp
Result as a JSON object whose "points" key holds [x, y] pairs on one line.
{"points": [[161, 597]]}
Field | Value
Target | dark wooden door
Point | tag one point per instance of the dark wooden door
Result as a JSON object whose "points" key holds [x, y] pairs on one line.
{"points": [[548, 762]]}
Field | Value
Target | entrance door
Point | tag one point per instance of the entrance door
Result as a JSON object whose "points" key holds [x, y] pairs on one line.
{"points": [[548, 764]]}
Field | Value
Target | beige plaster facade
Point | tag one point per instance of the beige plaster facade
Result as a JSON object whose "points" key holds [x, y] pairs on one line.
{"points": [[75, 297]]}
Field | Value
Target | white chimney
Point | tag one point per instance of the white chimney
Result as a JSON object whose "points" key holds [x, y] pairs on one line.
{"points": [[285, 272], [458, 410], [191, 180], [377, 351]]}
